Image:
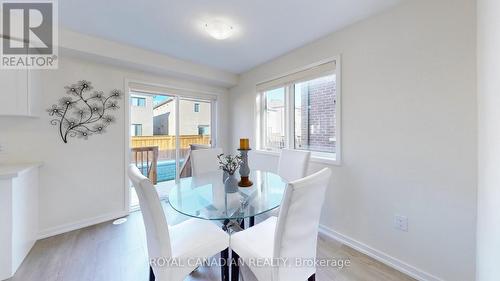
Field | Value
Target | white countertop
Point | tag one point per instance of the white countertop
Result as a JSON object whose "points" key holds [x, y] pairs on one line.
{"points": [[8, 171]]}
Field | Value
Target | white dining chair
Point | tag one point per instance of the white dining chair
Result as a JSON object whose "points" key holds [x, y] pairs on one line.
{"points": [[293, 234], [204, 160], [293, 164], [190, 239]]}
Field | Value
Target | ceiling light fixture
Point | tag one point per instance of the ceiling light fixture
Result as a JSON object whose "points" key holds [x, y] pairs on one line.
{"points": [[219, 29]]}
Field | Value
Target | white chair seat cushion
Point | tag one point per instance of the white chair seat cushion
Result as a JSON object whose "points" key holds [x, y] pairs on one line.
{"points": [[197, 238], [190, 240], [261, 239]]}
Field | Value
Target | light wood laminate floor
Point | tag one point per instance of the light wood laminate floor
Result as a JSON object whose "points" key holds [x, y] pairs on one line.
{"points": [[107, 252]]}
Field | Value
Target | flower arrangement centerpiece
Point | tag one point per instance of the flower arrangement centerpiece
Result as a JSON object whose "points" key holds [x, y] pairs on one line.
{"points": [[229, 164]]}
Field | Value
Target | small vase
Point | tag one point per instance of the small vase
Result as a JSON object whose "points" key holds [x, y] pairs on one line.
{"points": [[225, 175], [231, 184]]}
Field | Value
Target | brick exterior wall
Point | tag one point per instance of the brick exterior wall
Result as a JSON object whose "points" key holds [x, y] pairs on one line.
{"points": [[317, 125]]}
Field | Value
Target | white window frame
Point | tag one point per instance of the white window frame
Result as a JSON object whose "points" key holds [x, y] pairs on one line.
{"points": [[322, 157]]}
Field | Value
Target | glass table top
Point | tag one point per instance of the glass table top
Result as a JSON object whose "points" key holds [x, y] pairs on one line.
{"points": [[204, 196]]}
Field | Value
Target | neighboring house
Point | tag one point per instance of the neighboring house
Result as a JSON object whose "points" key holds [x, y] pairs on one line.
{"points": [[275, 123], [163, 120], [147, 119], [194, 118], [141, 111], [315, 125], [161, 124]]}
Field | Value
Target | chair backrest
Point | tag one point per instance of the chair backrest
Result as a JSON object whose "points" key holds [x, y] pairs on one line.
{"points": [[298, 222], [146, 155], [204, 160], [186, 166], [293, 164], [157, 235]]}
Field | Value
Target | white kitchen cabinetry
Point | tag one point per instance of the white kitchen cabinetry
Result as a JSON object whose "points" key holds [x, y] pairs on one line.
{"points": [[18, 215], [20, 91]]}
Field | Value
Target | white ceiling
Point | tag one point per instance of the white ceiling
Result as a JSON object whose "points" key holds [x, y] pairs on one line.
{"points": [[265, 29]]}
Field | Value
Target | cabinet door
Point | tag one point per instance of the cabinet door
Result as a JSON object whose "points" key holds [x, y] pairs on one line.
{"points": [[35, 101], [14, 92]]}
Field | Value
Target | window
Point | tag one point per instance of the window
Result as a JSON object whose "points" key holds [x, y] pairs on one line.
{"points": [[301, 111], [274, 118], [136, 130], [137, 101], [314, 115], [196, 107], [203, 130]]}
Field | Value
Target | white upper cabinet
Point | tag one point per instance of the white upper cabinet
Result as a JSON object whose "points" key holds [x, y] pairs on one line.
{"points": [[13, 92], [34, 92], [20, 92]]}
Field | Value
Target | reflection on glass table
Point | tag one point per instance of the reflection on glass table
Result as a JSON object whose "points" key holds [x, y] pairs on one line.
{"points": [[204, 196]]}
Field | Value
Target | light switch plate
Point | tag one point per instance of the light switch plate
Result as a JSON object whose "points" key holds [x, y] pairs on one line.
{"points": [[401, 223]]}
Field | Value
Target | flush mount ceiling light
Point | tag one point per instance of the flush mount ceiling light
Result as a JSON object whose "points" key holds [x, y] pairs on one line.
{"points": [[219, 29]]}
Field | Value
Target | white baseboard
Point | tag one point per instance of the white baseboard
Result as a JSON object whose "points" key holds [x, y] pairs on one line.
{"points": [[379, 255], [79, 224]]}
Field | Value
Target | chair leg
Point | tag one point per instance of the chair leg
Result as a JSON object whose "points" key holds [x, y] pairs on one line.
{"points": [[224, 255], [151, 274], [312, 278], [235, 268], [235, 259]]}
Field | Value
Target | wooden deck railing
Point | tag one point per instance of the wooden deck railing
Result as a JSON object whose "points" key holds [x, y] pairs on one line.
{"points": [[146, 159], [166, 144]]}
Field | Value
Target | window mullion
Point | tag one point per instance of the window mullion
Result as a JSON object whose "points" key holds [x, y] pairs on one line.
{"points": [[177, 139], [213, 123], [290, 116], [263, 125], [286, 117]]}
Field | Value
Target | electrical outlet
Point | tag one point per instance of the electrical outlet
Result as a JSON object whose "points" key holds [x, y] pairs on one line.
{"points": [[401, 223]]}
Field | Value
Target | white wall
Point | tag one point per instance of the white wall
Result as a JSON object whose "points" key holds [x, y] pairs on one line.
{"points": [[488, 228], [409, 134], [82, 181], [139, 59]]}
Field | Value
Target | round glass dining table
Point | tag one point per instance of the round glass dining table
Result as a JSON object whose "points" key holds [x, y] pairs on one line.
{"points": [[204, 196]]}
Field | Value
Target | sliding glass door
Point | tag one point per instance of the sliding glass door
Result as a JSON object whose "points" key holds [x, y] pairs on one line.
{"points": [[194, 130], [164, 128]]}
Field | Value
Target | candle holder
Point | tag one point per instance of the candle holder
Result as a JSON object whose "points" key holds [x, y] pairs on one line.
{"points": [[244, 169]]}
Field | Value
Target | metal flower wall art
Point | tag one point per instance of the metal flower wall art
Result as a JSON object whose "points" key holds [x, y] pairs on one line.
{"points": [[83, 112]]}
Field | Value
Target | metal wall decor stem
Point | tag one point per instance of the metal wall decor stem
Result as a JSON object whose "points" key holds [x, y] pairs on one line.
{"points": [[83, 113]]}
